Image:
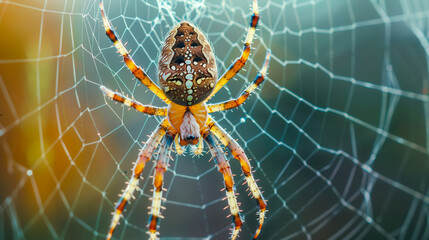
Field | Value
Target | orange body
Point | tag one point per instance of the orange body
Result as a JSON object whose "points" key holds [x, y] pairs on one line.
{"points": [[176, 114]]}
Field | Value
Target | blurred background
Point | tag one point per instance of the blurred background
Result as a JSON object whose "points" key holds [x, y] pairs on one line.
{"points": [[338, 134]]}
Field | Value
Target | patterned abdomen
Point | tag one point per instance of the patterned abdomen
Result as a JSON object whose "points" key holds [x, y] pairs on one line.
{"points": [[187, 67]]}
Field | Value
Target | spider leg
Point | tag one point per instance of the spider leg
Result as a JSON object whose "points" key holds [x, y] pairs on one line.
{"points": [[225, 169], [144, 156], [136, 70], [160, 168], [239, 154], [240, 100], [134, 104], [239, 62]]}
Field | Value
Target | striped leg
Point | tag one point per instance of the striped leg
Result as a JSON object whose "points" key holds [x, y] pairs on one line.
{"points": [[134, 104], [225, 169], [160, 168], [144, 156], [238, 101], [136, 70], [239, 154], [239, 62]]}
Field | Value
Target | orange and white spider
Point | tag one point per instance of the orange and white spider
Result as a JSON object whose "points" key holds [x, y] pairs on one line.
{"points": [[188, 77]]}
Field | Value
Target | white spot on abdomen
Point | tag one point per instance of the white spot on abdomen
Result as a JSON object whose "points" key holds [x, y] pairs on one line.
{"points": [[189, 84], [189, 76]]}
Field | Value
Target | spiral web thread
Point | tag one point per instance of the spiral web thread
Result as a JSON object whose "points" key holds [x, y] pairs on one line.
{"points": [[338, 134]]}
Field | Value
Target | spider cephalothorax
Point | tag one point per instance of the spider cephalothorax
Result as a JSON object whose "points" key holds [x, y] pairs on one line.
{"points": [[187, 66], [188, 77]]}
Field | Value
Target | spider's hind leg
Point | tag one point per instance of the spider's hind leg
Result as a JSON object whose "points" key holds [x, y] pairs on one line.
{"points": [[243, 97], [239, 62], [136, 70]]}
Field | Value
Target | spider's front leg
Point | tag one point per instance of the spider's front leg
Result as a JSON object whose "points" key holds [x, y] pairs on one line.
{"points": [[160, 168], [144, 157], [239, 154], [225, 169]]}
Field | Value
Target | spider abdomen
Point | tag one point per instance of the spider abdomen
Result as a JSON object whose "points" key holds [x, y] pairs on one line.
{"points": [[187, 67]]}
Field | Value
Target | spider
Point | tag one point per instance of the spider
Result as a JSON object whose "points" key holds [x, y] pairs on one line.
{"points": [[188, 77]]}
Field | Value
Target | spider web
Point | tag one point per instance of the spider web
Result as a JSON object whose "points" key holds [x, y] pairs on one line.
{"points": [[338, 134]]}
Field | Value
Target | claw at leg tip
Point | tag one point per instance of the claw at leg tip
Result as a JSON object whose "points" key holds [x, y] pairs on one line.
{"points": [[261, 222]]}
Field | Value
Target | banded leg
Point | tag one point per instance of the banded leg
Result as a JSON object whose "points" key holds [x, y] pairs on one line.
{"points": [[240, 100], [134, 104], [144, 156], [225, 169], [160, 168], [239, 62], [239, 154], [136, 70]]}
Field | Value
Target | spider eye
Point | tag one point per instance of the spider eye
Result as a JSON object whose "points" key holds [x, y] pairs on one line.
{"points": [[194, 44]]}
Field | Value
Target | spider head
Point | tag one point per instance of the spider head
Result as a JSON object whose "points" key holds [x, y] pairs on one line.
{"points": [[187, 67]]}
